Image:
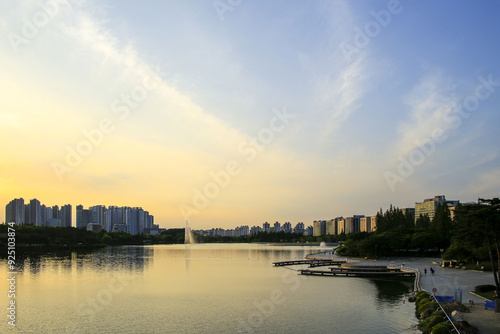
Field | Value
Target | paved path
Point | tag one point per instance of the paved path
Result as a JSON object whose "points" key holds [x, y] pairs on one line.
{"points": [[446, 280]]}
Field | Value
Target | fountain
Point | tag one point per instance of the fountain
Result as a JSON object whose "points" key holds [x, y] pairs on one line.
{"points": [[188, 235]]}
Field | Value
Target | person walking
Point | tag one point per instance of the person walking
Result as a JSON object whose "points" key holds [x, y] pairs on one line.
{"points": [[425, 271]]}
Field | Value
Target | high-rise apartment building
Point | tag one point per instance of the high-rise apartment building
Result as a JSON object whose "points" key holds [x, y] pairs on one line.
{"points": [[352, 224], [35, 214], [98, 214], [15, 212], [66, 214], [365, 224], [83, 217], [319, 227], [299, 228], [287, 227], [255, 230], [341, 226], [428, 206]]}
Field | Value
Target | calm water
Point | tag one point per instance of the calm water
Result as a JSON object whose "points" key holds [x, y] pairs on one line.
{"points": [[211, 288]]}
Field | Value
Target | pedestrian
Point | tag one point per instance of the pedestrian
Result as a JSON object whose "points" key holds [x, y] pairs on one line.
{"points": [[425, 271], [432, 271]]}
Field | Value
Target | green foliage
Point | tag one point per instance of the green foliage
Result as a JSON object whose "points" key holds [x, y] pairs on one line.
{"points": [[421, 294], [273, 237], [457, 252], [69, 237], [423, 306], [442, 226], [422, 240], [107, 239], [395, 234], [433, 321], [484, 288], [423, 223], [28, 235], [393, 219], [478, 227], [429, 312], [442, 328]]}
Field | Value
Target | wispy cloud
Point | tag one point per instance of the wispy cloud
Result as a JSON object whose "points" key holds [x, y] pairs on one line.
{"points": [[338, 85], [428, 102], [485, 184], [339, 93]]}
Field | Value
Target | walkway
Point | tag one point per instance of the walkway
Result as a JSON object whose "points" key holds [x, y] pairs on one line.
{"points": [[446, 280]]}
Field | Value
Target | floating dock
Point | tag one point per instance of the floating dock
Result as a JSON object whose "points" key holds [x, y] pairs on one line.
{"points": [[311, 263], [361, 271]]}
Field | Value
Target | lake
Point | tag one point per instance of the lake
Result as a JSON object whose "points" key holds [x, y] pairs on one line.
{"points": [[202, 288]]}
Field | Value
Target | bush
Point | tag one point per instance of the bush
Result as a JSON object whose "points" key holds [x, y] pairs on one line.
{"points": [[422, 324], [428, 305], [439, 313], [485, 288], [426, 314], [433, 321], [442, 328], [423, 305], [422, 294]]}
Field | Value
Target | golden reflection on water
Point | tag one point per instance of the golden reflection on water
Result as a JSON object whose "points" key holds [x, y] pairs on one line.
{"points": [[195, 288]]}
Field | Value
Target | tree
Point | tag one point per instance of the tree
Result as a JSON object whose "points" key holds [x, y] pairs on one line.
{"points": [[479, 224], [442, 226], [423, 222]]}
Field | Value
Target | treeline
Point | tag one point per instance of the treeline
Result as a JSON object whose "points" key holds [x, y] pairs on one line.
{"points": [[69, 237], [397, 234], [286, 237]]}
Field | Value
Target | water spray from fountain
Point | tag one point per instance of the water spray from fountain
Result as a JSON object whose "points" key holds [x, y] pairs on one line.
{"points": [[188, 235]]}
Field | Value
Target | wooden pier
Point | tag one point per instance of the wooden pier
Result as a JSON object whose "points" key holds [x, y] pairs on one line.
{"points": [[361, 271], [311, 263]]}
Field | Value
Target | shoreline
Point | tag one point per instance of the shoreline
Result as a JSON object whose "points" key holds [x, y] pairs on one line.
{"points": [[446, 281]]}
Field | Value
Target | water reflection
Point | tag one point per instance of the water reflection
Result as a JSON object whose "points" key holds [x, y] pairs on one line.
{"points": [[125, 258], [391, 292], [207, 288]]}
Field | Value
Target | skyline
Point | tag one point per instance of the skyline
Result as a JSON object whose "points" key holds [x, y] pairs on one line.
{"points": [[74, 215], [281, 111]]}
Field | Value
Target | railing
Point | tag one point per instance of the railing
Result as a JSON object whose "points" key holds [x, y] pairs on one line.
{"points": [[416, 283], [448, 318]]}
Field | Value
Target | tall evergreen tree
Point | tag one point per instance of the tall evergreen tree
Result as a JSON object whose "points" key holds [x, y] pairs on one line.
{"points": [[479, 224], [442, 226], [423, 223]]}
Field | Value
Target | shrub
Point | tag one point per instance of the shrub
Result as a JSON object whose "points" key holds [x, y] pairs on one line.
{"points": [[421, 295], [422, 324], [421, 301], [485, 288], [433, 321], [439, 313], [423, 305], [442, 328], [426, 314]]}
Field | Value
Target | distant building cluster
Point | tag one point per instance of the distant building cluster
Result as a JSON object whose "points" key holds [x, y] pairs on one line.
{"points": [[116, 219], [96, 218], [135, 220], [266, 227], [34, 213], [339, 225]]}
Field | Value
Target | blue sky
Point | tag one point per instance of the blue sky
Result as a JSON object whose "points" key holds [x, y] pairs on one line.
{"points": [[207, 81]]}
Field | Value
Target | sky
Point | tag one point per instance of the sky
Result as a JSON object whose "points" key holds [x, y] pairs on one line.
{"points": [[229, 113]]}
